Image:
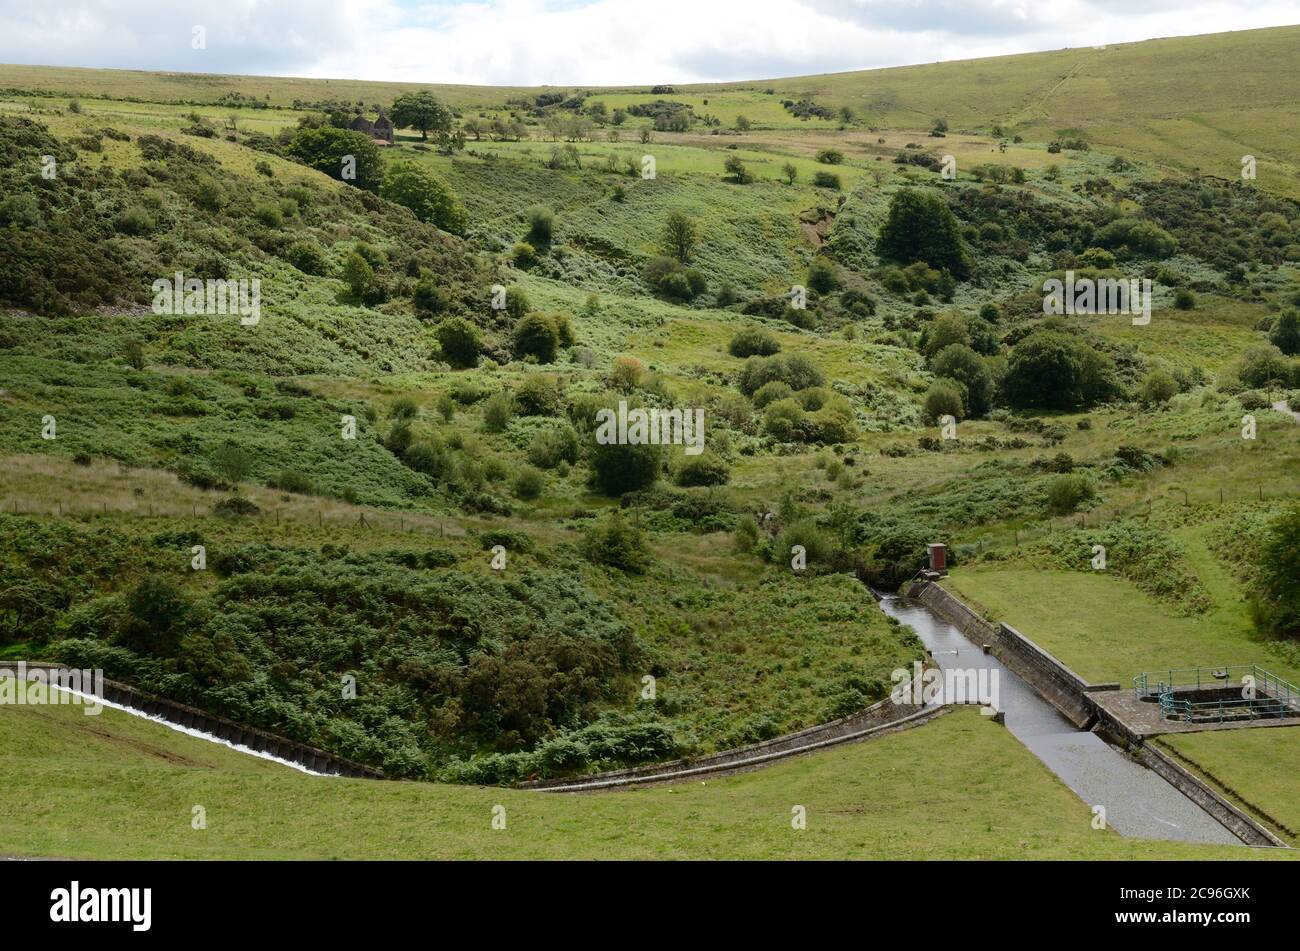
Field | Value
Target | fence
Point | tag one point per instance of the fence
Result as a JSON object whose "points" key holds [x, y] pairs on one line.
{"points": [[1218, 694]]}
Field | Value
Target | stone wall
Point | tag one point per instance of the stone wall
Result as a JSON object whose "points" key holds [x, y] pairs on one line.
{"points": [[178, 713], [1057, 683]]}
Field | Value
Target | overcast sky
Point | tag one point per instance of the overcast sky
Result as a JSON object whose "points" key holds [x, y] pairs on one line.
{"points": [[586, 42]]}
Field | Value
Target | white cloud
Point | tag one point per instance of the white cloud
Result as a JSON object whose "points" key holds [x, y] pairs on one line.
{"points": [[529, 42]]}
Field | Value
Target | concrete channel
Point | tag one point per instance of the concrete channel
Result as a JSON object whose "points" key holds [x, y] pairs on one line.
{"points": [[1137, 801]]}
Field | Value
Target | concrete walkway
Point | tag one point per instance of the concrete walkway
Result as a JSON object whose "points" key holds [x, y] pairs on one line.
{"points": [[1282, 407]]}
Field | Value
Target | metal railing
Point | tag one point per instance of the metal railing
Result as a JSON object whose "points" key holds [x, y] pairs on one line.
{"points": [[1262, 694]]}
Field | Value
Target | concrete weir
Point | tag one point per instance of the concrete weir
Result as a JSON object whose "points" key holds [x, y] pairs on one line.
{"points": [[1058, 716]]}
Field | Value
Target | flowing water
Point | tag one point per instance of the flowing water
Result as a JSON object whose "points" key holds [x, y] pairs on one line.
{"points": [[1137, 801]]}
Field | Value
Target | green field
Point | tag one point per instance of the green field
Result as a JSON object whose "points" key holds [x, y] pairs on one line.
{"points": [[114, 786]]}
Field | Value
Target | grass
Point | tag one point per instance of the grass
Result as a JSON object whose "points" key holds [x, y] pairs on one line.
{"points": [[1124, 631], [118, 787], [1254, 768]]}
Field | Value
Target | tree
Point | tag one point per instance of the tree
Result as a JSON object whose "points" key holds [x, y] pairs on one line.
{"points": [[359, 276], [425, 194], [1277, 608], [1052, 370], [1159, 387], [921, 227], [625, 467], [789, 173], [617, 544], [459, 341], [821, 275], [742, 124], [420, 110], [960, 363], [1286, 333], [341, 154], [681, 235], [537, 336], [541, 225], [736, 170], [944, 398], [948, 328]]}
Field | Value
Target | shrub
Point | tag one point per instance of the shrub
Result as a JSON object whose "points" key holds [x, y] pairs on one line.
{"points": [[425, 194], [540, 395], [821, 276], [618, 468], [962, 364], [944, 398], [291, 480], [1053, 370], [616, 544], [541, 225], [771, 392], [704, 469], [1285, 334], [308, 257], [827, 180], [794, 369], [523, 255], [783, 419], [429, 298], [529, 483], [753, 341], [1261, 366], [498, 411], [1277, 608], [1184, 299], [1068, 492], [536, 335], [553, 445], [459, 341], [818, 549], [1159, 387], [830, 156], [431, 458]]}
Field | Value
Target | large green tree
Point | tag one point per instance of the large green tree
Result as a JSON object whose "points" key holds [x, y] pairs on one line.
{"points": [[425, 194], [340, 153], [921, 227], [421, 110], [1050, 369]]}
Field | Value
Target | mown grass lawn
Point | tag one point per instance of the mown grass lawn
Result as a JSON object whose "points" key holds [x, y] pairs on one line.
{"points": [[1105, 629], [115, 786], [1256, 768]]}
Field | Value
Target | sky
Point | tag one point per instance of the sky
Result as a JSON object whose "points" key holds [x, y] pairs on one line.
{"points": [[585, 42]]}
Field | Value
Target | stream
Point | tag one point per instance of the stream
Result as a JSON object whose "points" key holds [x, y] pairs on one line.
{"points": [[1137, 801]]}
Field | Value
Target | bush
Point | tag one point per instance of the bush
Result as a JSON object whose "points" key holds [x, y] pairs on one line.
{"points": [[817, 546], [1067, 493], [1159, 387], [1277, 608], [796, 370], [308, 257], [529, 483], [1262, 366], [967, 368], [830, 156], [459, 341], [784, 419], [498, 411], [1053, 370], [1184, 299], [944, 398], [704, 469], [553, 445], [753, 341], [291, 480], [429, 298], [431, 458], [618, 468], [425, 194], [821, 276], [771, 392], [616, 544], [1285, 334], [541, 225], [540, 395], [827, 180], [536, 335], [523, 255]]}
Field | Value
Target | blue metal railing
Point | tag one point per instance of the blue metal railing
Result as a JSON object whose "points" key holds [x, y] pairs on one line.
{"points": [[1262, 694]]}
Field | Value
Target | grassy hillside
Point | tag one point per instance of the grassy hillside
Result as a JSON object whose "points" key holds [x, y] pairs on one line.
{"points": [[1181, 102], [116, 787], [419, 396]]}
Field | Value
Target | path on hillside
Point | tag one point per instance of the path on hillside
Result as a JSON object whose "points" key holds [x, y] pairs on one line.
{"points": [[1282, 407]]}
